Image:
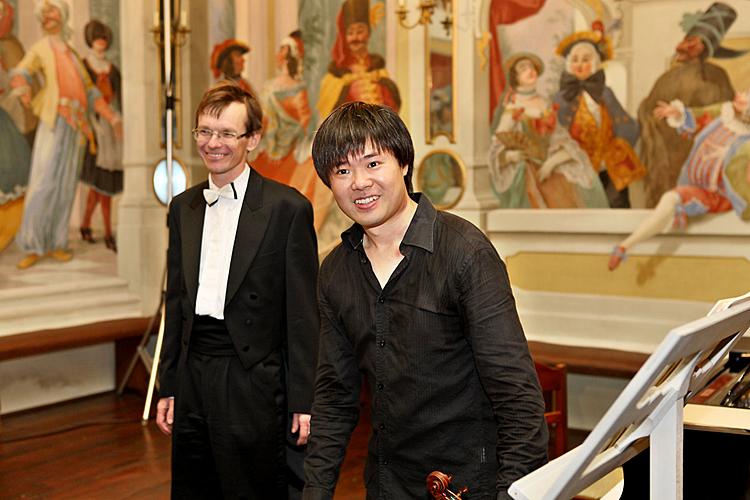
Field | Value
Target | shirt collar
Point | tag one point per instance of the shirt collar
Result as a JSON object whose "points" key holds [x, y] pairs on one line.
{"points": [[240, 183], [420, 233]]}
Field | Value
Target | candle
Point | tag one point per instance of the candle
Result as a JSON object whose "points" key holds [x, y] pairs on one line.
{"points": [[184, 18], [156, 19]]}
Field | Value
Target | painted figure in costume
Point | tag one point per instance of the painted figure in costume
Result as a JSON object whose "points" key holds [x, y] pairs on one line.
{"points": [[288, 128], [694, 81], [15, 120], [533, 161], [355, 74], [714, 178], [102, 171], [62, 106], [228, 62], [593, 115]]}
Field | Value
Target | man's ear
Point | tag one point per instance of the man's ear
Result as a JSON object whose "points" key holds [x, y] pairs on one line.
{"points": [[253, 141]]}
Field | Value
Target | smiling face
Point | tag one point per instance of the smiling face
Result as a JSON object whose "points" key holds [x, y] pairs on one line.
{"points": [[51, 19], [357, 36], [690, 48], [582, 61], [225, 160], [369, 187]]}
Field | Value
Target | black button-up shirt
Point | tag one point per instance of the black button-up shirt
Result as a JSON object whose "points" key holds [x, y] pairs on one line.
{"points": [[453, 385]]}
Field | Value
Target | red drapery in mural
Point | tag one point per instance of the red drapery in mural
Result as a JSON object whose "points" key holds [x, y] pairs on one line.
{"points": [[504, 12]]}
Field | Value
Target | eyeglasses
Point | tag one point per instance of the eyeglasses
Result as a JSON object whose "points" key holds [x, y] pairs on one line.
{"points": [[203, 135]]}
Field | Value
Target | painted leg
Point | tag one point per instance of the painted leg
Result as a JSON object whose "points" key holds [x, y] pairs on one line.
{"points": [[91, 201], [109, 240], [660, 219]]}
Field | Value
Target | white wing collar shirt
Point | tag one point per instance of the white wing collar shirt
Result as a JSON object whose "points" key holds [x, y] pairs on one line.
{"points": [[223, 206]]}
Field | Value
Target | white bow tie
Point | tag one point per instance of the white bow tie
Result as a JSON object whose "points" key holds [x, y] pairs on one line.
{"points": [[213, 195]]}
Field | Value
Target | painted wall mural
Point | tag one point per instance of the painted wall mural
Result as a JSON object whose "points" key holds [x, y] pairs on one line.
{"points": [[334, 58], [696, 82], [228, 62], [65, 108], [102, 168], [17, 125], [288, 127], [581, 72]]}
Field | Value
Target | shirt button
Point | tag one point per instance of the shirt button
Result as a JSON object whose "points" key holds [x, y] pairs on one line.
{"points": [[381, 299], [380, 386], [248, 322], [363, 260], [385, 462], [381, 427], [381, 343]]}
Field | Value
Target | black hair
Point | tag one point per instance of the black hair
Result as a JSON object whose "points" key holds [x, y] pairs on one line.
{"points": [[292, 64], [347, 130], [94, 30]]}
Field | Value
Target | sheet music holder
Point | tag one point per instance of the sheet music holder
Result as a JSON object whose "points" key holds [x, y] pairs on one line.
{"points": [[648, 411]]}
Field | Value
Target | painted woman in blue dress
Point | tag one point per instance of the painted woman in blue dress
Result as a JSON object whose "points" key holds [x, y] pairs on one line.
{"points": [[15, 152]]}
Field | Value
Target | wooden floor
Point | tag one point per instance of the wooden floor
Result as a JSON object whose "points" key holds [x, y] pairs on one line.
{"points": [[97, 448]]}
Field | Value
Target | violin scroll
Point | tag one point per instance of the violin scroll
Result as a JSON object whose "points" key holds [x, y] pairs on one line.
{"points": [[437, 486]]}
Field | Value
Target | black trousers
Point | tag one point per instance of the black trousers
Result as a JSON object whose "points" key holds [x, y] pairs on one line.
{"points": [[228, 438]]}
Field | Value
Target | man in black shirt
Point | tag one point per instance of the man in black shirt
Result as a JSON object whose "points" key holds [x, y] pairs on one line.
{"points": [[418, 301]]}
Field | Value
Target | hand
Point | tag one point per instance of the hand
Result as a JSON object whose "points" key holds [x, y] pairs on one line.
{"points": [[741, 102], [514, 155], [26, 99], [301, 423], [553, 161], [165, 415], [545, 170], [665, 110], [117, 127]]}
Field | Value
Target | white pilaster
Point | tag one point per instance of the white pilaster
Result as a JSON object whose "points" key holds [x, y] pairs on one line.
{"points": [[142, 220]]}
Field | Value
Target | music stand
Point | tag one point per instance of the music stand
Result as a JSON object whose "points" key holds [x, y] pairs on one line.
{"points": [[650, 406]]}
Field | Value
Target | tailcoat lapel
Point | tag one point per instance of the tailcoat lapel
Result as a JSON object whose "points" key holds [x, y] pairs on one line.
{"points": [[191, 231], [250, 231]]}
